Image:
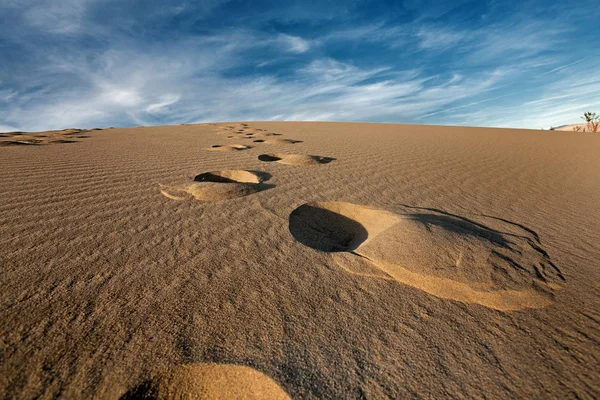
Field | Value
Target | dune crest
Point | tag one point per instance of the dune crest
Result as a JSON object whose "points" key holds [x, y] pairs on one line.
{"points": [[447, 256]]}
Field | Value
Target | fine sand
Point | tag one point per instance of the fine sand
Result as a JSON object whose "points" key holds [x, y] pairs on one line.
{"points": [[267, 260]]}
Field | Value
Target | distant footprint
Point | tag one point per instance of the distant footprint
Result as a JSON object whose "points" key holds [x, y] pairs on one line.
{"points": [[26, 142], [65, 140], [262, 133], [295, 159], [43, 138], [281, 141], [229, 147], [209, 381], [219, 185], [502, 267]]}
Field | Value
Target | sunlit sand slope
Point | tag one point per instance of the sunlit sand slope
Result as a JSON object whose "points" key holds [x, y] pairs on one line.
{"points": [[309, 260]]}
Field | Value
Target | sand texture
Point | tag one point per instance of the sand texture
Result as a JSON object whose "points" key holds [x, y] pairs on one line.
{"points": [[300, 260]]}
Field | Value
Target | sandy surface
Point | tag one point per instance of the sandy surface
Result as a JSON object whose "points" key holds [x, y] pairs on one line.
{"points": [[309, 260]]}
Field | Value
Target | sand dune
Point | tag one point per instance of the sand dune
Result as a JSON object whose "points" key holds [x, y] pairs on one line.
{"points": [[373, 261]]}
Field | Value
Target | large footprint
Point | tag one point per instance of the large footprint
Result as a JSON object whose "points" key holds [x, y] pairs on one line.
{"points": [[295, 159], [502, 267], [219, 185], [209, 381]]}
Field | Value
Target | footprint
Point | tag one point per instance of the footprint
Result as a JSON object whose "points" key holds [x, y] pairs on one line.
{"points": [[219, 185], [26, 142], [64, 141], [262, 133], [295, 159], [209, 381], [501, 266], [233, 176], [231, 128], [281, 141], [228, 147]]}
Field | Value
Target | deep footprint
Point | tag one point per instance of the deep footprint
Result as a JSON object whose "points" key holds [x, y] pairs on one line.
{"points": [[295, 159], [219, 185], [209, 381], [501, 266]]}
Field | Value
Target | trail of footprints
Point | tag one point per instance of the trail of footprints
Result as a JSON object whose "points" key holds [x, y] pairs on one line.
{"points": [[217, 186], [480, 260], [483, 260]]}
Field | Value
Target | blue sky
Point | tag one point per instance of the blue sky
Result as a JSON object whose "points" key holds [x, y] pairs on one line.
{"points": [[99, 63]]}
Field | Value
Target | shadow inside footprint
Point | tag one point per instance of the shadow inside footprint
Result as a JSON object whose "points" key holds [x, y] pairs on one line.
{"points": [[325, 230], [268, 157]]}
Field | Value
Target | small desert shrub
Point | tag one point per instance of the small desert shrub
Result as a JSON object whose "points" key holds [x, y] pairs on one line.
{"points": [[592, 122], [576, 128]]}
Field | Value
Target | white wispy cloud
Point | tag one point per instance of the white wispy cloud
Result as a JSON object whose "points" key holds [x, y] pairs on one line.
{"points": [[294, 44], [561, 101], [566, 65], [134, 87], [436, 38], [163, 105], [415, 71]]}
